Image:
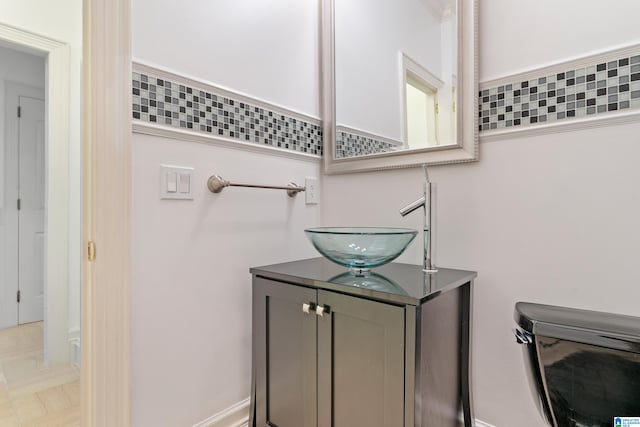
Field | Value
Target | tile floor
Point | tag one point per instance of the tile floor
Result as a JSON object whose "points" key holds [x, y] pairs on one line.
{"points": [[30, 394]]}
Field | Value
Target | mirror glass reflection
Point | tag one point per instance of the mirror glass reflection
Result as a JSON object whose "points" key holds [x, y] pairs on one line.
{"points": [[396, 75]]}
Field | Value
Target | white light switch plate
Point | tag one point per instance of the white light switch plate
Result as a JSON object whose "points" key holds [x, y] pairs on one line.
{"points": [[176, 182], [312, 191]]}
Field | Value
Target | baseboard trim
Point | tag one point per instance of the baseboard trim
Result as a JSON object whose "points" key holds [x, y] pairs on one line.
{"points": [[234, 416], [238, 416], [482, 424], [74, 333], [75, 354]]}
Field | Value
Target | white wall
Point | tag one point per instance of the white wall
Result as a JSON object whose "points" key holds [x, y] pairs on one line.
{"points": [[369, 38], [557, 31], [550, 219], [191, 305], [61, 20], [15, 67], [268, 50]]}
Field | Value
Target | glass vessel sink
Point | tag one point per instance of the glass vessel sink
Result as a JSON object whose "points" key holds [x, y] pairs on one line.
{"points": [[360, 248]]}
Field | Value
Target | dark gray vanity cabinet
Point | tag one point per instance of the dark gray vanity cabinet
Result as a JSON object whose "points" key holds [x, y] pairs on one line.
{"points": [[334, 350], [284, 355], [360, 362], [343, 367]]}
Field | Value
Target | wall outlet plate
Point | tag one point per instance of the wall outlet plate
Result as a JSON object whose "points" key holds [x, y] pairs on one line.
{"points": [[176, 182], [312, 191]]}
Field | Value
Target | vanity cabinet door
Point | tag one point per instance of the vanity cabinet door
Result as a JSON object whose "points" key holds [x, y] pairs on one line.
{"points": [[361, 346], [285, 355]]}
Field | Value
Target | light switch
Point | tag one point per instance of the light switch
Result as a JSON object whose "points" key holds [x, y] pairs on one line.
{"points": [[185, 183], [172, 182], [175, 182]]}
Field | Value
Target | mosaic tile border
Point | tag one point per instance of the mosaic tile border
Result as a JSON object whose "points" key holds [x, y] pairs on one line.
{"points": [[181, 105], [601, 85], [352, 143]]}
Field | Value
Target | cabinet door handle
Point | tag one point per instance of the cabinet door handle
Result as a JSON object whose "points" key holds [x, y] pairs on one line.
{"points": [[308, 307], [321, 310]]}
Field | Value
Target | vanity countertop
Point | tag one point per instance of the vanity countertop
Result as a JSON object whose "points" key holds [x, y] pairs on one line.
{"points": [[394, 282]]}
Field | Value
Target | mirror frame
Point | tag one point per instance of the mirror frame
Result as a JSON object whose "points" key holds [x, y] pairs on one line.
{"points": [[467, 121]]}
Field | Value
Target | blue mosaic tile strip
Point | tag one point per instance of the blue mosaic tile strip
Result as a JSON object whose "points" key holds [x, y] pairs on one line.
{"points": [[349, 144], [600, 88], [170, 103]]}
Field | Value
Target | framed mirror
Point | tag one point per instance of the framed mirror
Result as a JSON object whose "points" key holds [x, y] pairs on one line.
{"points": [[399, 83]]}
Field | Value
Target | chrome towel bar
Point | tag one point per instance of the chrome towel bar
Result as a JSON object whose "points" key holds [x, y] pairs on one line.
{"points": [[216, 184]]}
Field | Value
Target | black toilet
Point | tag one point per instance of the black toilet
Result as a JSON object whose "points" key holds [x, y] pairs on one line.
{"points": [[583, 366]]}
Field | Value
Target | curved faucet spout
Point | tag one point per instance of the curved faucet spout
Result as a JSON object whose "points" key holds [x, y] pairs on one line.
{"points": [[413, 206]]}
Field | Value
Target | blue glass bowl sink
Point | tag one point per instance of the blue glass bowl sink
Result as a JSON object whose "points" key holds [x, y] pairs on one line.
{"points": [[360, 248]]}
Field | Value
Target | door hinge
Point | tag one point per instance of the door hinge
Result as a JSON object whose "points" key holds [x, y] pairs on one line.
{"points": [[18, 297], [437, 108], [91, 251], [19, 111], [19, 204]]}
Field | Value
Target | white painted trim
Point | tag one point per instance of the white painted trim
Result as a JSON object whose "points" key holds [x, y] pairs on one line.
{"points": [[31, 42], [145, 128], [174, 76], [73, 333], [56, 230], [408, 64], [56, 251], [238, 416], [558, 67], [479, 423], [73, 342], [74, 352], [234, 416], [565, 125], [106, 138], [430, 80]]}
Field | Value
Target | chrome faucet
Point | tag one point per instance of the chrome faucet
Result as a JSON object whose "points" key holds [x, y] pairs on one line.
{"points": [[427, 202]]}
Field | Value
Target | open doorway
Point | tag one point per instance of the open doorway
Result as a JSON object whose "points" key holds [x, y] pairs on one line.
{"points": [[38, 331], [87, 48], [23, 187]]}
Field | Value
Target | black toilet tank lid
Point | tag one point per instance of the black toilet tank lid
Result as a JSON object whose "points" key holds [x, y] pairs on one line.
{"points": [[585, 326]]}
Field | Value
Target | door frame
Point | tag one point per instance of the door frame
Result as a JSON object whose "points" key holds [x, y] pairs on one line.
{"points": [[57, 134], [106, 118]]}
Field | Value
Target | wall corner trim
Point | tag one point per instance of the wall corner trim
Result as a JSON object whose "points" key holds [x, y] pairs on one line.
{"points": [[234, 416]]}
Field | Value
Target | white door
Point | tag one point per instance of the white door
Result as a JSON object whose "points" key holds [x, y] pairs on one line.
{"points": [[31, 187]]}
